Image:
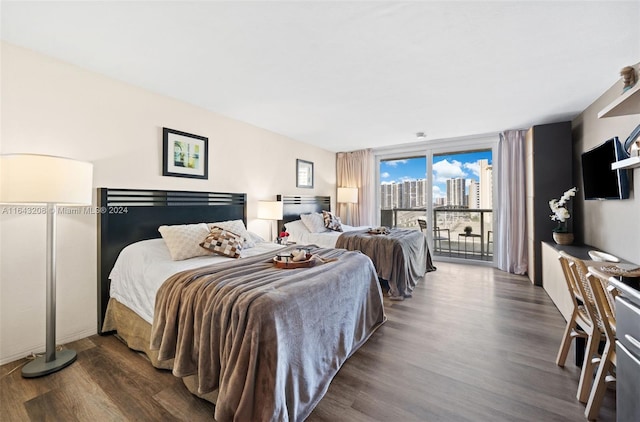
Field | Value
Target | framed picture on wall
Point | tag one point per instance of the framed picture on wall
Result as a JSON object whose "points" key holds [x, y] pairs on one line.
{"points": [[184, 154], [304, 174]]}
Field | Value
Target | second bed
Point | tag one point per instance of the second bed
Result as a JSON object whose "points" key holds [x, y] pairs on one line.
{"points": [[401, 256]]}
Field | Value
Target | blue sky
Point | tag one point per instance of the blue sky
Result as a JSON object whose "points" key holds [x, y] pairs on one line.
{"points": [[444, 167]]}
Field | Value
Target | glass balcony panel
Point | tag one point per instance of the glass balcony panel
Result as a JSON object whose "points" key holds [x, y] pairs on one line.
{"points": [[460, 232]]}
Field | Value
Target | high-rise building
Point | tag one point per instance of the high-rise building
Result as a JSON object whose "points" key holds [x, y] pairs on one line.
{"points": [[409, 193], [421, 201], [456, 192], [486, 185], [474, 195], [396, 195], [406, 194], [386, 196]]}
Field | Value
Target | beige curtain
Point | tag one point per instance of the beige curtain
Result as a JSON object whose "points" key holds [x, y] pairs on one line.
{"points": [[511, 239], [356, 170]]}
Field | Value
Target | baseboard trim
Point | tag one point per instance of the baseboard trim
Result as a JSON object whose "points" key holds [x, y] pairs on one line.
{"points": [[39, 348]]}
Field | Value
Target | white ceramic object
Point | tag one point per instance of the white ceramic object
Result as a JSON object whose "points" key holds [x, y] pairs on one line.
{"points": [[603, 256]]}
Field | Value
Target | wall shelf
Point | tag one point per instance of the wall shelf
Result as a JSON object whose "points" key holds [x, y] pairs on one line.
{"points": [[628, 163], [625, 104]]}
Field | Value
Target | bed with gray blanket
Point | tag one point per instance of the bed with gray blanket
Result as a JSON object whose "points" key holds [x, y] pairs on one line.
{"points": [[262, 343], [401, 256], [269, 340]]}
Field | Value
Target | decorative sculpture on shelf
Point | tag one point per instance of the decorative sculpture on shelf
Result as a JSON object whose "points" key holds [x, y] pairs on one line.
{"points": [[629, 77]]}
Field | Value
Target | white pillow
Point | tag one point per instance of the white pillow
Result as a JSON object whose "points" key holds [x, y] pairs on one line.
{"points": [[237, 227], [256, 238], [183, 241], [314, 222], [296, 228]]}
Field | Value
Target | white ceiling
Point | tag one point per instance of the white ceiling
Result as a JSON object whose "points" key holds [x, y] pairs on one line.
{"points": [[349, 75]]}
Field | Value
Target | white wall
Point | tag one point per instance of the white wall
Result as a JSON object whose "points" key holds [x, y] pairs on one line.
{"points": [[50, 107], [612, 225]]}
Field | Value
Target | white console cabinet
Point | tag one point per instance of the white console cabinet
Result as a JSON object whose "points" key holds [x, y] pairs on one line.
{"points": [[553, 280]]}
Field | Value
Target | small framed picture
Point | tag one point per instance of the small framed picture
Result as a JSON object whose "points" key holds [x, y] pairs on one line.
{"points": [[304, 174], [184, 154]]}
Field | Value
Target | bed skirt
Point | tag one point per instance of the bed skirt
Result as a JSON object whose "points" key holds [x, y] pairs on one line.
{"points": [[135, 332]]}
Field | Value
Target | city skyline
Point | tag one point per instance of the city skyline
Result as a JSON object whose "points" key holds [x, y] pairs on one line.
{"points": [[445, 166]]}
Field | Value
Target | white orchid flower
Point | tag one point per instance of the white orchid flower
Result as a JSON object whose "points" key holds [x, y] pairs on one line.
{"points": [[560, 212]]}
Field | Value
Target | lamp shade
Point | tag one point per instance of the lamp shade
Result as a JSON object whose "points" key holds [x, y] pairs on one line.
{"points": [[348, 195], [270, 210], [45, 179]]}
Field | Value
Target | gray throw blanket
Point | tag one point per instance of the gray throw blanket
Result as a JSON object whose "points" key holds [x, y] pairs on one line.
{"points": [[401, 257], [270, 340]]}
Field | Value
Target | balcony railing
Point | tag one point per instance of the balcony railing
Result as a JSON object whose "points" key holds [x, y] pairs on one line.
{"points": [[449, 236]]}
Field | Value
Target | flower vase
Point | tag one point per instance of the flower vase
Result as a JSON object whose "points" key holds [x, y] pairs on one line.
{"points": [[563, 238]]}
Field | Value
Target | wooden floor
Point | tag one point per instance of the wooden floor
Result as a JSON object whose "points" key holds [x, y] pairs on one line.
{"points": [[473, 344]]}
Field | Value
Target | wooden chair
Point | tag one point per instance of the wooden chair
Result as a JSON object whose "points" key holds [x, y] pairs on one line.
{"points": [[438, 236], [584, 322], [604, 297]]}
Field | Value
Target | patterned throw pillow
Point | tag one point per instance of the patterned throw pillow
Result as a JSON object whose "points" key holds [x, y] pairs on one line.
{"points": [[331, 221], [183, 241], [237, 227], [314, 222], [223, 242]]}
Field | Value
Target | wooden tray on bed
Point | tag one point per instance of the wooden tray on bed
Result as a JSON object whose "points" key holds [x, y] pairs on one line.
{"points": [[309, 262], [379, 230]]}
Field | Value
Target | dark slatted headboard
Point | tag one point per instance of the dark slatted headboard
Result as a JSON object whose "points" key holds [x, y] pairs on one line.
{"points": [[294, 205], [126, 216]]}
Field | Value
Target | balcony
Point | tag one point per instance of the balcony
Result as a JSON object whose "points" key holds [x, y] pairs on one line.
{"points": [[452, 240]]}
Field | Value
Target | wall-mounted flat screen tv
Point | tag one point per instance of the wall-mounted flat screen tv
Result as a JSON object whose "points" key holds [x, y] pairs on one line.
{"points": [[599, 181]]}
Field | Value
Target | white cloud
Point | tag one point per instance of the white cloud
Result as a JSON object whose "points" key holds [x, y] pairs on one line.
{"points": [[394, 163], [473, 167], [384, 175], [437, 192], [443, 170]]}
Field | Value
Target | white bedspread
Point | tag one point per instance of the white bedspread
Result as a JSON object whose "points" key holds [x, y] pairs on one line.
{"points": [[142, 267]]}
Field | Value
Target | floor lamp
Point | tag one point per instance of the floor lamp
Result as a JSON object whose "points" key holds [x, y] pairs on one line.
{"points": [[47, 181], [348, 196], [270, 210]]}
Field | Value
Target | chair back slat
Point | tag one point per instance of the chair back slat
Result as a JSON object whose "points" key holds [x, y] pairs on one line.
{"points": [[570, 282], [604, 298], [580, 285]]}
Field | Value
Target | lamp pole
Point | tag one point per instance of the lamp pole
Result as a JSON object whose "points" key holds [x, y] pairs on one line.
{"points": [[53, 360]]}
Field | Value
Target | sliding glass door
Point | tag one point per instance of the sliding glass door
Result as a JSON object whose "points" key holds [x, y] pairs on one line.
{"points": [[462, 204], [446, 191]]}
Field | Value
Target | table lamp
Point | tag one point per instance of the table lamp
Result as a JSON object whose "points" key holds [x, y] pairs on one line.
{"points": [[270, 210], [348, 196], [48, 181]]}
